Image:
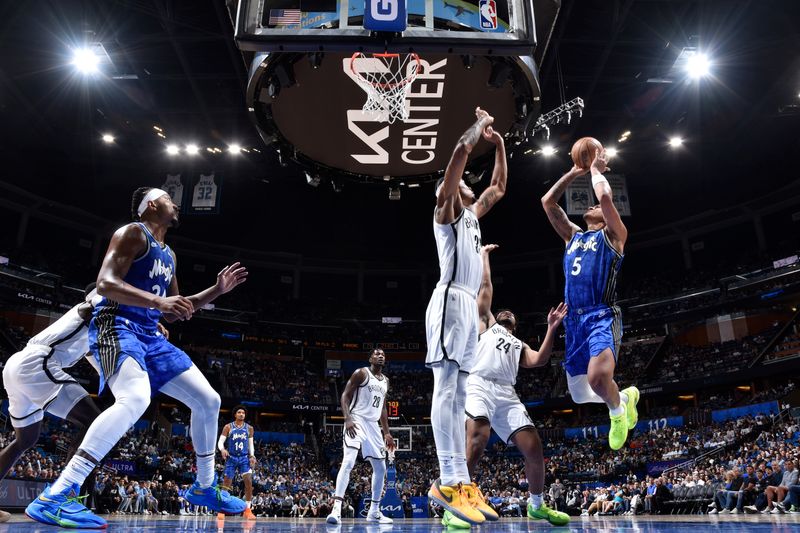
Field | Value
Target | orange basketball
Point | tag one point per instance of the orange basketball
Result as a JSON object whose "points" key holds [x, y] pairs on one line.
{"points": [[584, 150]]}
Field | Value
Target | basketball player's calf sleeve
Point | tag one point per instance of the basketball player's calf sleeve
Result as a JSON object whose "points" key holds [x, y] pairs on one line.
{"points": [[193, 389], [131, 389], [461, 470], [444, 419], [580, 390], [343, 477], [378, 476]]}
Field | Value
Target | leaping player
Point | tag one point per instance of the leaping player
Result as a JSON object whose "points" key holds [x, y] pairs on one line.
{"points": [[451, 320], [239, 454], [363, 406], [593, 325], [492, 402]]}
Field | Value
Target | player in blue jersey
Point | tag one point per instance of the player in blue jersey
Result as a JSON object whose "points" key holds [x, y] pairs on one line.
{"points": [[238, 450], [138, 284], [593, 324]]}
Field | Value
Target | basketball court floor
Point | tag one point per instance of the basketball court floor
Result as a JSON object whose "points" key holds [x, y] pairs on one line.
{"points": [[197, 524]]}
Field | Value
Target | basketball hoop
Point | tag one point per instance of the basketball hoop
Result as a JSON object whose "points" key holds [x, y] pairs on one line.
{"points": [[387, 79]]}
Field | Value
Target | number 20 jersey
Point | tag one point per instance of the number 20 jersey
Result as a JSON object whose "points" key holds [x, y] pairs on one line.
{"points": [[591, 266], [367, 402]]}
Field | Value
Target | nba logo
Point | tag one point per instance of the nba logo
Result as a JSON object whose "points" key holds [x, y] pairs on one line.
{"points": [[488, 9]]}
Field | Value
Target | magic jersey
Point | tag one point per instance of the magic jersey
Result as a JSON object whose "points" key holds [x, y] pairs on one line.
{"points": [[591, 266], [237, 440], [459, 247], [151, 272], [497, 356], [367, 402]]}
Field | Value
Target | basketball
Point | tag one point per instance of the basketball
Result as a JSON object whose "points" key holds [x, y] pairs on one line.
{"points": [[584, 150]]}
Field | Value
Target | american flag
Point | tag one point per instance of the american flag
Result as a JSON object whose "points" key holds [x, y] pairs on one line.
{"points": [[284, 16]]}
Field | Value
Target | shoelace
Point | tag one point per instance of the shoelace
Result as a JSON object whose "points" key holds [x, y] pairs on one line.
{"points": [[218, 491], [73, 499]]}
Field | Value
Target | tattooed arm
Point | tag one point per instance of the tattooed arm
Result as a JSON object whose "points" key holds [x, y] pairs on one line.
{"points": [[448, 201], [558, 218], [497, 189], [486, 291]]}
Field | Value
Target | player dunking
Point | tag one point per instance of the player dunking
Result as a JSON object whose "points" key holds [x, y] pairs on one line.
{"points": [[363, 405], [593, 325], [492, 402], [138, 284], [451, 320], [35, 382], [239, 455]]}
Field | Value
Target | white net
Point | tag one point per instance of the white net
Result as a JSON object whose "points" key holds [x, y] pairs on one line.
{"points": [[387, 79]]}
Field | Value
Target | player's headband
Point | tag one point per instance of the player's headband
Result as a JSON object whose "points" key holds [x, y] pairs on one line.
{"points": [[149, 197]]}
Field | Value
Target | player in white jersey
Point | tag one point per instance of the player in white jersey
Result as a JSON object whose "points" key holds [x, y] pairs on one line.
{"points": [[451, 321], [364, 407], [492, 402], [35, 382]]}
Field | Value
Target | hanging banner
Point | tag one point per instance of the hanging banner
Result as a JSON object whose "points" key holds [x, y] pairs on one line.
{"points": [[206, 194], [580, 195], [174, 187]]}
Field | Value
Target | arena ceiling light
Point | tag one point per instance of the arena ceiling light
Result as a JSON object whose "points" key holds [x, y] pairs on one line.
{"points": [[86, 60], [548, 150], [108, 138], [173, 149], [192, 149], [698, 65], [611, 152], [234, 149], [675, 142]]}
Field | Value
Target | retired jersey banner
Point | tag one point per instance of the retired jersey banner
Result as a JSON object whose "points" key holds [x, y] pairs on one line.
{"points": [[580, 195], [206, 194], [174, 187]]}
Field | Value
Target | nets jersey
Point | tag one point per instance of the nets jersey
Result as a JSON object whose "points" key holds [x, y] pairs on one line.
{"points": [[497, 356], [237, 440], [591, 266], [367, 402], [66, 337], [152, 272], [459, 247]]}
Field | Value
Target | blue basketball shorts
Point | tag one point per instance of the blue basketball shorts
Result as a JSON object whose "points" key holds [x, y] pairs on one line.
{"points": [[589, 331], [234, 464], [115, 339]]}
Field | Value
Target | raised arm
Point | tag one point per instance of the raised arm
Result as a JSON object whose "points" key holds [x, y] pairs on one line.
{"points": [[532, 358], [497, 189], [355, 381], [127, 244], [558, 218], [616, 230], [228, 279], [446, 202], [486, 291]]}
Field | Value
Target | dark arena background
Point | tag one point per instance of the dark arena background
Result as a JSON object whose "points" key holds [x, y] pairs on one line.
{"points": [[248, 114]]}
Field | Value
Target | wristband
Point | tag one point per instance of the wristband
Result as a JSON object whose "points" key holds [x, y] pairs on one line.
{"points": [[599, 178]]}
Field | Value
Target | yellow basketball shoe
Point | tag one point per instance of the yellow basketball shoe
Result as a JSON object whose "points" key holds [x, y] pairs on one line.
{"points": [[478, 501], [633, 414], [453, 498]]}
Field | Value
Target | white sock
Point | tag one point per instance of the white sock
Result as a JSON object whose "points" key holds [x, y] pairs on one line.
{"points": [[247, 504], [535, 500], [205, 470], [623, 397], [337, 506], [447, 470], [460, 469], [76, 472], [618, 410]]}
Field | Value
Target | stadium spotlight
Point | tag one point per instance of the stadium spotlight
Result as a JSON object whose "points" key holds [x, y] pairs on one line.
{"points": [[548, 150], [108, 138], [698, 66], [234, 149], [675, 142], [85, 60], [172, 149], [192, 149], [611, 152]]}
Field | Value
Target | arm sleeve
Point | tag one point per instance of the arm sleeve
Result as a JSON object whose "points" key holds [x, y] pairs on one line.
{"points": [[221, 443], [251, 446]]}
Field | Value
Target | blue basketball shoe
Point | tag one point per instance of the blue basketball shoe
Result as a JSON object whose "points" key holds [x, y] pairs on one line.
{"points": [[215, 498], [64, 509]]}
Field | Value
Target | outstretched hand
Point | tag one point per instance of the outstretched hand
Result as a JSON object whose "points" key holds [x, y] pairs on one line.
{"points": [[489, 248], [556, 316], [231, 277], [491, 135], [484, 117], [600, 163]]}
